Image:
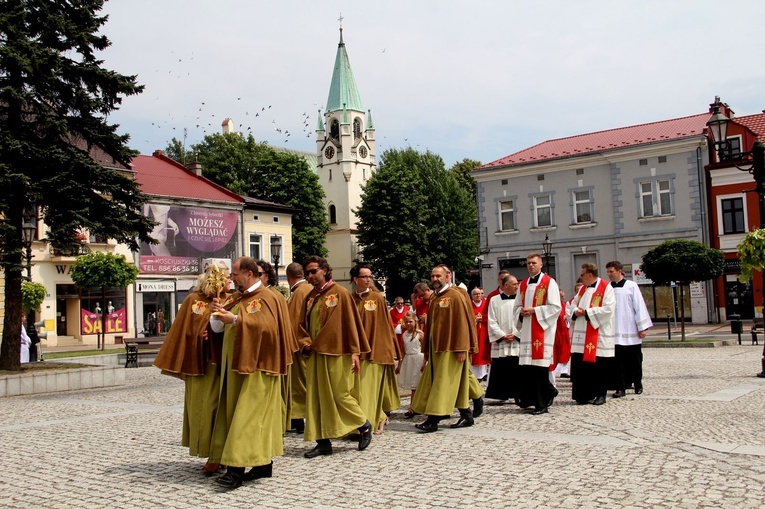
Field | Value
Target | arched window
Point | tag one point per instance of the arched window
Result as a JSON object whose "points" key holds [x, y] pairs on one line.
{"points": [[334, 129], [356, 128], [332, 214]]}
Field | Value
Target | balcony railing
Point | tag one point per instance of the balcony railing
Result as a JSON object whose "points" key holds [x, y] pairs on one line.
{"points": [[69, 251]]}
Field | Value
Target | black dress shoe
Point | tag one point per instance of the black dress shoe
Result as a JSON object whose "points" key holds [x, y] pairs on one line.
{"points": [[553, 393], [639, 390], [319, 450], [427, 426], [464, 422], [619, 394], [259, 472], [477, 407], [409, 414], [565, 375], [600, 400], [230, 480], [366, 436], [540, 411]]}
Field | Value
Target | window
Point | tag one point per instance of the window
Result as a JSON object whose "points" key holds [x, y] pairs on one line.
{"points": [[582, 206], [332, 214], [662, 159], [665, 198], [273, 237], [356, 128], [643, 162], [255, 217], [655, 197], [542, 210], [646, 198], [96, 239], [276, 219], [507, 215], [733, 215], [255, 245], [733, 147], [334, 129]]}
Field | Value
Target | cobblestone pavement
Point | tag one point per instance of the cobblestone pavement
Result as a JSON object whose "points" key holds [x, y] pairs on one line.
{"points": [[693, 439]]}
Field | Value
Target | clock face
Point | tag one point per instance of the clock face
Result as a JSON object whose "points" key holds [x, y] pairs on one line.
{"points": [[363, 152], [329, 152]]}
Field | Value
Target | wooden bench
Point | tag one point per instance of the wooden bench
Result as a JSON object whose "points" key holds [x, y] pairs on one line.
{"points": [[757, 328], [141, 346]]}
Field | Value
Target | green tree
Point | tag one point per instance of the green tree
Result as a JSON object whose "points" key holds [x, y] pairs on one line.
{"points": [[461, 171], [32, 295], [684, 262], [414, 214], [257, 170], [177, 150], [55, 98], [103, 270]]}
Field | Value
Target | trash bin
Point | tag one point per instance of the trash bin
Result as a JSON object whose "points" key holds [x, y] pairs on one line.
{"points": [[736, 325]]}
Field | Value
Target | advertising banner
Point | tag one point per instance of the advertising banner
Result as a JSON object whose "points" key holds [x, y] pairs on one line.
{"points": [[90, 323], [185, 235]]}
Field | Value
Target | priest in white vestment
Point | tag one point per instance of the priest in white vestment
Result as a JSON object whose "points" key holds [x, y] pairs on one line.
{"points": [[592, 339], [536, 311], [503, 336], [632, 324]]}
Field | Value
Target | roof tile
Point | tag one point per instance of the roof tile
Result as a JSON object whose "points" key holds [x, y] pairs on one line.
{"points": [[678, 128]]}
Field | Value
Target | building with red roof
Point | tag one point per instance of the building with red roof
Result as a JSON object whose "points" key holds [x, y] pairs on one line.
{"points": [[199, 222], [734, 211], [601, 196]]}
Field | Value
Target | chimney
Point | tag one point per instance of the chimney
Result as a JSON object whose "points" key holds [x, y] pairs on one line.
{"points": [[228, 126], [195, 166]]}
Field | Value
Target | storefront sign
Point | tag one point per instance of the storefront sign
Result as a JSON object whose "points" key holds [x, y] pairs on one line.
{"points": [[633, 273], [90, 323], [154, 286], [186, 234]]}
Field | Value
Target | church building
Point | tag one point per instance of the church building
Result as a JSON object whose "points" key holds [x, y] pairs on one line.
{"points": [[345, 145]]}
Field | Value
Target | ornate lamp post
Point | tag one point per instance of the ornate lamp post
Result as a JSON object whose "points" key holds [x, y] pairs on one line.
{"points": [[276, 253], [547, 250], [28, 230], [754, 163]]}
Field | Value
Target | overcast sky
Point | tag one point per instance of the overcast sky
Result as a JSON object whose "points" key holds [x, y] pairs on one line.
{"points": [[480, 79]]}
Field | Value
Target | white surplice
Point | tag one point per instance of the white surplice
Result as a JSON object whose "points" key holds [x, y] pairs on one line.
{"points": [[601, 318], [631, 314], [547, 315]]}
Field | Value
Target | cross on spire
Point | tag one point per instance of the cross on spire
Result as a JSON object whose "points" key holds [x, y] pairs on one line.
{"points": [[340, 19]]}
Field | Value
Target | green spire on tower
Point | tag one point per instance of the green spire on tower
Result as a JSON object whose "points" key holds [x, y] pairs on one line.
{"points": [[343, 90]]}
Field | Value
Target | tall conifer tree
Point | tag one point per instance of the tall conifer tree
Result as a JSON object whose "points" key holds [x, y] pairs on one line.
{"points": [[57, 150]]}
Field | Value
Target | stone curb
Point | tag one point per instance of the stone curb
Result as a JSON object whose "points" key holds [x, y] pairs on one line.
{"points": [[60, 381]]}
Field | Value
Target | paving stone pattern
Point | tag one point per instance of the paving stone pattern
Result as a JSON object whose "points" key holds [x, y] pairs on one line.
{"points": [[694, 439]]}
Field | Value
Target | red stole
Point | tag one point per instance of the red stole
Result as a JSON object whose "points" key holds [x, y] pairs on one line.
{"points": [[591, 333], [540, 299]]}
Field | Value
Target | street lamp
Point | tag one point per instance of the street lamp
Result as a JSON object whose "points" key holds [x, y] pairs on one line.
{"points": [[28, 230], [547, 250], [755, 159], [276, 254]]}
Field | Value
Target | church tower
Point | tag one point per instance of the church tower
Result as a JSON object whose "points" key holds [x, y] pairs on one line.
{"points": [[345, 144]]}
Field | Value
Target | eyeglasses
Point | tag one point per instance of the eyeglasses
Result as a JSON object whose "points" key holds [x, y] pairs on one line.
{"points": [[312, 271], [260, 273]]}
